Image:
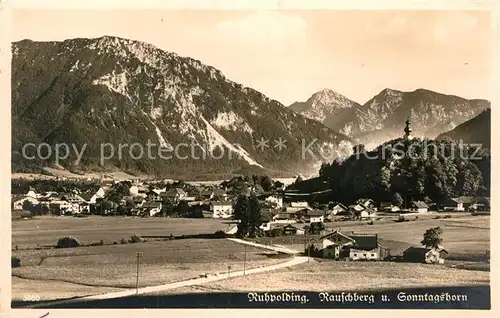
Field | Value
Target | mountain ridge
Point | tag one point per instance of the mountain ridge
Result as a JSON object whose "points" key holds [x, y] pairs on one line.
{"points": [[382, 117], [116, 90]]}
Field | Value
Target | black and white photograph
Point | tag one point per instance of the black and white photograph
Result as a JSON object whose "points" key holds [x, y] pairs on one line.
{"points": [[250, 158]]}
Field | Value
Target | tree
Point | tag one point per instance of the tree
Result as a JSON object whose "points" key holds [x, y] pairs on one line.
{"points": [[266, 182], [240, 207], [247, 210], [432, 237], [168, 207], [183, 208], [26, 205], [397, 199], [316, 228]]}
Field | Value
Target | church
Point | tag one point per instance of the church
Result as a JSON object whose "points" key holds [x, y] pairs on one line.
{"points": [[407, 130]]}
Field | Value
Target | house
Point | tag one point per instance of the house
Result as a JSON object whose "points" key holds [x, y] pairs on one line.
{"points": [[151, 208], [175, 194], [314, 216], [296, 206], [419, 207], [368, 213], [284, 218], [61, 206], [299, 204], [32, 193], [338, 208], [355, 209], [388, 207], [221, 209], [420, 254], [18, 202], [298, 210], [219, 194], [338, 245], [474, 203], [276, 200], [366, 247], [454, 204], [91, 198], [100, 193], [134, 190], [206, 194], [367, 203], [293, 229]]}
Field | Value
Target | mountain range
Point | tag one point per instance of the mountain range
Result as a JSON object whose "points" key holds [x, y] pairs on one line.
{"points": [[383, 117], [124, 92]]}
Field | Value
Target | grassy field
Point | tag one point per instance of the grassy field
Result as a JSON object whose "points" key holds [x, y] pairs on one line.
{"points": [[50, 290], [330, 275], [115, 265], [466, 238], [47, 230]]}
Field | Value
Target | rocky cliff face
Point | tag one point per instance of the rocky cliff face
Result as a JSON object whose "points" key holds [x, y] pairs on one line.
{"points": [[118, 91]]}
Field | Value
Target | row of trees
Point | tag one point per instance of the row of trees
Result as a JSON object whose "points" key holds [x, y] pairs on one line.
{"points": [[435, 171]]}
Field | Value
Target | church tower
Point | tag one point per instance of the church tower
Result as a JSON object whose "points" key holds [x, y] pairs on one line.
{"points": [[407, 130]]}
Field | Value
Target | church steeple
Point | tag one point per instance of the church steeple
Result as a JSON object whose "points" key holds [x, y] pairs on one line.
{"points": [[407, 129]]}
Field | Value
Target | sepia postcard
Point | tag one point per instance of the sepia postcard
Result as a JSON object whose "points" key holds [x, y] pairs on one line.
{"points": [[245, 155]]}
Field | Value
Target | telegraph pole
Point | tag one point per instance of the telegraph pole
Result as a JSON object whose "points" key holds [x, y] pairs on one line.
{"points": [[139, 255], [308, 251], [245, 261], [228, 271]]}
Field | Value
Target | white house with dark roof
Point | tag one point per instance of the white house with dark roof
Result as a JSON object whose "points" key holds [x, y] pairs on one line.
{"points": [[419, 207], [221, 209]]}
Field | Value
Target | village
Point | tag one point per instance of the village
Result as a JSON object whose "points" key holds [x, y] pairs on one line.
{"points": [[281, 213]]}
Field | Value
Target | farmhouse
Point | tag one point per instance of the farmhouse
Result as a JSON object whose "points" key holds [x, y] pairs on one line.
{"points": [[175, 194], [284, 218], [32, 193], [61, 206], [418, 254], [18, 202], [221, 209], [454, 204], [338, 208], [419, 207], [367, 203], [475, 203], [314, 216], [297, 206], [151, 208], [368, 213], [293, 229], [388, 207], [276, 200], [339, 245]]}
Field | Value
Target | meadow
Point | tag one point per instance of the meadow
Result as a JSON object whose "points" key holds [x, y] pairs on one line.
{"points": [[114, 266], [465, 237], [329, 275], [46, 230]]}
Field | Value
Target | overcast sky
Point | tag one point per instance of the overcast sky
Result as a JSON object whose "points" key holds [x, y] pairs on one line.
{"points": [[289, 55]]}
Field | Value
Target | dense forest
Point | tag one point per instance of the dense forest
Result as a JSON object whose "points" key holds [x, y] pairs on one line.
{"points": [[415, 169]]}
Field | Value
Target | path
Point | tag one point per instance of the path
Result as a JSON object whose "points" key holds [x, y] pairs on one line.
{"points": [[275, 248], [196, 281]]}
